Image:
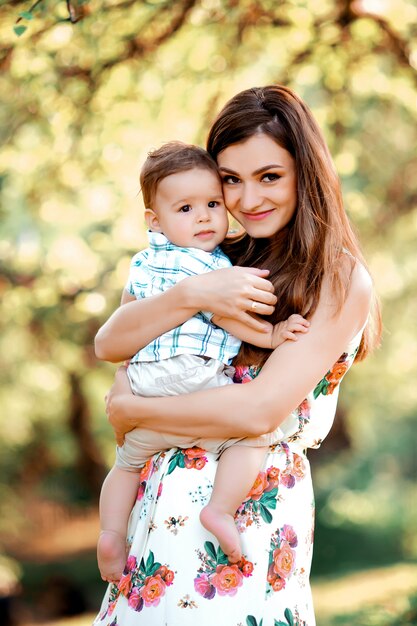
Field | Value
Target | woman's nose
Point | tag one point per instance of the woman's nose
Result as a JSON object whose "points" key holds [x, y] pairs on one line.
{"points": [[250, 197]]}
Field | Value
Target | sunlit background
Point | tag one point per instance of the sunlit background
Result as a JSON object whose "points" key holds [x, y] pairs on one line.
{"points": [[81, 106]]}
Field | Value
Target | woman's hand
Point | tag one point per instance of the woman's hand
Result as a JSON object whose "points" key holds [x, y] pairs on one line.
{"points": [[117, 400], [234, 292]]}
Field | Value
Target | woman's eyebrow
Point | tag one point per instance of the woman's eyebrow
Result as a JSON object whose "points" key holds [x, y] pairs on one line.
{"points": [[260, 170]]}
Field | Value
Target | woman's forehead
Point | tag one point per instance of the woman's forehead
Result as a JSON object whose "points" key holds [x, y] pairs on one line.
{"points": [[258, 151]]}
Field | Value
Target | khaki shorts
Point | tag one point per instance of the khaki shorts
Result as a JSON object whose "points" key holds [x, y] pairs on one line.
{"points": [[181, 374]]}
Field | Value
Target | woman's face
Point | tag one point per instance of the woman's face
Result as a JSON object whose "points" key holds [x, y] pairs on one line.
{"points": [[259, 184]]}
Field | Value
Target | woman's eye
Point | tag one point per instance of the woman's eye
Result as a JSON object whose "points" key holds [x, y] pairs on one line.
{"points": [[269, 178], [185, 208], [230, 180]]}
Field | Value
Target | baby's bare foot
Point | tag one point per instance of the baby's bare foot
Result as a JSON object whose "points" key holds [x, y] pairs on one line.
{"points": [[223, 527], [111, 555]]}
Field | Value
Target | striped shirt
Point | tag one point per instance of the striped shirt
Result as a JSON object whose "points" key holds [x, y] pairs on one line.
{"points": [[161, 266]]}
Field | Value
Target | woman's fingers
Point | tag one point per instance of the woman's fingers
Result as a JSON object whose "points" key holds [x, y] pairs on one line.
{"points": [[251, 321], [259, 308]]}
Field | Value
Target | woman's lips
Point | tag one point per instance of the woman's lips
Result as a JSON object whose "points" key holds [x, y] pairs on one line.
{"points": [[258, 216]]}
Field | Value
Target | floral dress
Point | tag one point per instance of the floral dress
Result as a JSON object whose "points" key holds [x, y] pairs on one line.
{"points": [[177, 575]]}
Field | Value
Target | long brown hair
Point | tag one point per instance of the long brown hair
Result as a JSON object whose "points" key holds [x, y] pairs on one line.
{"points": [[319, 234]]}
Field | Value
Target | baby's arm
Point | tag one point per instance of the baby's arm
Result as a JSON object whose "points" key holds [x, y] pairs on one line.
{"points": [[271, 337]]}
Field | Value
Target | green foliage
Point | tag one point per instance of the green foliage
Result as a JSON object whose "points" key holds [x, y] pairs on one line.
{"points": [[82, 105]]}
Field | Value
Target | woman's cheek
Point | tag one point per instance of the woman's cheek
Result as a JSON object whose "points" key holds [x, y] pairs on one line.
{"points": [[231, 197]]}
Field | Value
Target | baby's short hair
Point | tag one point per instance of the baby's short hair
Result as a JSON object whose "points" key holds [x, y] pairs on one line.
{"points": [[171, 158]]}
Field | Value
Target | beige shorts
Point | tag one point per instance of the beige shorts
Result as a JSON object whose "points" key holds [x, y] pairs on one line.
{"points": [[181, 374]]}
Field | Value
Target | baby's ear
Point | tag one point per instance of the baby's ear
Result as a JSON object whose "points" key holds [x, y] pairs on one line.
{"points": [[152, 221]]}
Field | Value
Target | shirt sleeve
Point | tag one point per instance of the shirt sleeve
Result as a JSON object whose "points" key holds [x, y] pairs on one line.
{"points": [[135, 265]]}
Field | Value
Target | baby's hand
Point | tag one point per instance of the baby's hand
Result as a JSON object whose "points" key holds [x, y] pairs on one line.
{"points": [[288, 329]]}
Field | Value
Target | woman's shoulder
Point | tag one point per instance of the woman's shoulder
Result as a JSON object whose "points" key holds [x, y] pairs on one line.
{"points": [[355, 276], [360, 288]]}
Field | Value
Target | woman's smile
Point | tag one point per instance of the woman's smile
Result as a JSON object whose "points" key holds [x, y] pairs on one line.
{"points": [[259, 215]]}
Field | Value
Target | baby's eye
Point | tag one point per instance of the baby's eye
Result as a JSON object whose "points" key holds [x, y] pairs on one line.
{"points": [[270, 177], [185, 208], [230, 180], [212, 204]]}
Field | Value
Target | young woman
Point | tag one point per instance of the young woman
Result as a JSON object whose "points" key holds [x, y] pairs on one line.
{"points": [[280, 184]]}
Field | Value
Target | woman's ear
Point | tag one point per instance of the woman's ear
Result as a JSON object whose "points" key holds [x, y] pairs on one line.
{"points": [[152, 221]]}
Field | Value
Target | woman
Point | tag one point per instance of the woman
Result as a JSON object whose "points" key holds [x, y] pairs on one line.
{"points": [[280, 184]]}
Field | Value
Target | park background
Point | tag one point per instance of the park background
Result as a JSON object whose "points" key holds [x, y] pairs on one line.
{"points": [[87, 89]]}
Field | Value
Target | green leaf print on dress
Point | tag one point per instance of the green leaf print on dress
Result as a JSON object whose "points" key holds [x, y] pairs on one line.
{"points": [[251, 621], [291, 620], [217, 575], [263, 497]]}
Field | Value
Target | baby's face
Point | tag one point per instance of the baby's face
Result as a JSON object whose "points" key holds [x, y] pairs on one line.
{"points": [[190, 210]]}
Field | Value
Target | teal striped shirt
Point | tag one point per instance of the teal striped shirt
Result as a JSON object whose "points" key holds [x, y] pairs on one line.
{"points": [[161, 266]]}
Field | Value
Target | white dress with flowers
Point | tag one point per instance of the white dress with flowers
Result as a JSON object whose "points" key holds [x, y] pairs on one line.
{"points": [[177, 575]]}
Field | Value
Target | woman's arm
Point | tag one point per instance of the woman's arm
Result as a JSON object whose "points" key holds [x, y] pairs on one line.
{"points": [[252, 409], [226, 292]]}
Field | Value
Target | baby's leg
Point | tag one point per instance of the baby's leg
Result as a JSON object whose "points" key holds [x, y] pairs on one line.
{"points": [[117, 498], [236, 472]]}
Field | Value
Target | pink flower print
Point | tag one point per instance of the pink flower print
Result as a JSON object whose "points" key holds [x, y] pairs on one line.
{"points": [[242, 374], [288, 480], [135, 601], [203, 586], [288, 535], [304, 409], [131, 564]]}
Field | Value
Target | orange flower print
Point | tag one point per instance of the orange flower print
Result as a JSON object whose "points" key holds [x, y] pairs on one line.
{"points": [[284, 561], [282, 557], [190, 458], [199, 463], [278, 584], [337, 373], [332, 379], [146, 471], [227, 580], [125, 584], [258, 487], [217, 575], [194, 453], [153, 590], [298, 468], [246, 567]]}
